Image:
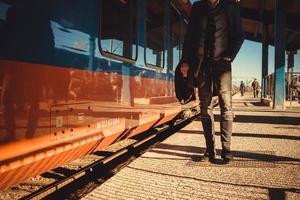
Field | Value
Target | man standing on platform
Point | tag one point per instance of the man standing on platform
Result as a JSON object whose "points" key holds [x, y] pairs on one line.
{"points": [[212, 41], [255, 87]]}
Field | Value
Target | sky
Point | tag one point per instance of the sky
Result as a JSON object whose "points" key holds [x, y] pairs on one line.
{"points": [[248, 62]]}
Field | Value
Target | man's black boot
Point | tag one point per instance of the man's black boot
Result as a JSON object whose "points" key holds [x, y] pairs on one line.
{"points": [[226, 156], [211, 157]]}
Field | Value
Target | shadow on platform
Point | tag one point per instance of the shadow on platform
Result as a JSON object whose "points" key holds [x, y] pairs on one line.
{"points": [[59, 173], [269, 136], [261, 156], [274, 193], [258, 103], [262, 119]]}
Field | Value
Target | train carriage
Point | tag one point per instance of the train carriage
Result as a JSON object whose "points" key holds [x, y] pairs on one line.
{"points": [[77, 76]]}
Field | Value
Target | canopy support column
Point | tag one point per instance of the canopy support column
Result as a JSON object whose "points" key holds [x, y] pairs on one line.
{"points": [[279, 87]]}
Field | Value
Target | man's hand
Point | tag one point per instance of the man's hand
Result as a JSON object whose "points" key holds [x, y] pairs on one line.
{"points": [[184, 69]]}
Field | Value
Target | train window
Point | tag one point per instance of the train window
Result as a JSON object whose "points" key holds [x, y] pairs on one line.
{"points": [[155, 33], [118, 28], [4, 7], [3, 10], [25, 31], [74, 27], [176, 30]]}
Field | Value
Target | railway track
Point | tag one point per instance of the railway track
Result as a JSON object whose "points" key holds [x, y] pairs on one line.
{"points": [[83, 175]]}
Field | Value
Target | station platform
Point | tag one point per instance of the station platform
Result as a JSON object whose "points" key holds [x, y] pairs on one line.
{"points": [[265, 144]]}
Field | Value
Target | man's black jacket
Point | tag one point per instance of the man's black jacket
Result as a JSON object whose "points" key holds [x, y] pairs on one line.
{"points": [[197, 25]]}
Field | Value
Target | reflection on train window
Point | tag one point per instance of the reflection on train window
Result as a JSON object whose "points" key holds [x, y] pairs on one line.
{"points": [[75, 32], [3, 11], [4, 7], [25, 31], [176, 30], [155, 32], [118, 28]]}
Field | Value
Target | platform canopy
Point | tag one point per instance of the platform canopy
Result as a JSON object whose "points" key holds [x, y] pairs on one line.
{"points": [[256, 12]]}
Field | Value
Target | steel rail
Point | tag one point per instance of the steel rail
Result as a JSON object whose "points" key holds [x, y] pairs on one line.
{"points": [[182, 119]]}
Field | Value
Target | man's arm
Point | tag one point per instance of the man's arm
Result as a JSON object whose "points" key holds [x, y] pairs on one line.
{"points": [[238, 36], [188, 42], [188, 39]]}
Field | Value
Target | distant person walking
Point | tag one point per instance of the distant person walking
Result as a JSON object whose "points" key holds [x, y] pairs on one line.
{"points": [[255, 87], [242, 88]]}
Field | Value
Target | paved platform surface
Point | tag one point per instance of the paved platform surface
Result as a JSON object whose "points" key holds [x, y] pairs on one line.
{"points": [[266, 146]]}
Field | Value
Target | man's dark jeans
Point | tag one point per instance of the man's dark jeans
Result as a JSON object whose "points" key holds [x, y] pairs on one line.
{"points": [[217, 81]]}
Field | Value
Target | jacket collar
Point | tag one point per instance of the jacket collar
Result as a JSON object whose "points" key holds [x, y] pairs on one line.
{"points": [[207, 1]]}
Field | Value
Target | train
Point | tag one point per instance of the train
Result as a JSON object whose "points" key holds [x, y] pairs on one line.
{"points": [[77, 76], [292, 86]]}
